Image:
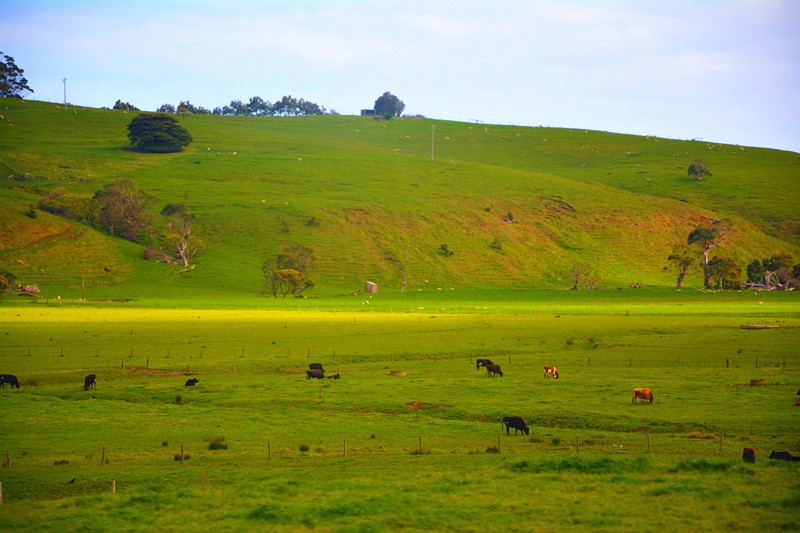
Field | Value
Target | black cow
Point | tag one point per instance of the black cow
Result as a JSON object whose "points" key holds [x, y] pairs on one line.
{"points": [[316, 366], [493, 370], [517, 423], [316, 374], [482, 362], [335, 376], [8, 378], [191, 382], [784, 456], [89, 381]]}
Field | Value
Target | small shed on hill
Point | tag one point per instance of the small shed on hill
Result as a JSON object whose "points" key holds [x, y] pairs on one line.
{"points": [[371, 287], [367, 112]]}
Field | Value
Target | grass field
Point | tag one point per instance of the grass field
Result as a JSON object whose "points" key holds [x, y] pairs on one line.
{"points": [[265, 449], [344, 455]]}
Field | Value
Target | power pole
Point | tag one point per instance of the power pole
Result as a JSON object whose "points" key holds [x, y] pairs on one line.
{"points": [[433, 128], [64, 80]]}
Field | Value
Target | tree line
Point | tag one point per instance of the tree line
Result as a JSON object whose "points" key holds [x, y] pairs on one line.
{"points": [[776, 272], [124, 210], [255, 107]]}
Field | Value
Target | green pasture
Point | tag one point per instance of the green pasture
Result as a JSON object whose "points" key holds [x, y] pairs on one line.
{"points": [[344, 455]]}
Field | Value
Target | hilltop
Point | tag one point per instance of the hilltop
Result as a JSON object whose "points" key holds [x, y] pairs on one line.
{"points": [[517, 206]]}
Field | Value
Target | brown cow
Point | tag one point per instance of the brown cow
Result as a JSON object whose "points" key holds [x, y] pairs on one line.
{"points": [[493, 370], [749, 455], [644, 394], [550, 371]]}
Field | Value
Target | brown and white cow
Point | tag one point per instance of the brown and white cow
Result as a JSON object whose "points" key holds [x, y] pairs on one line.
{"points": [[493, 370], [644, 394], [550, 371]]}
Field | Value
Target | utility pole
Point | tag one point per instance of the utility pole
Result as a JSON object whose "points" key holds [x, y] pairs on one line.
{"points": [[64, 80], [433, 128]]}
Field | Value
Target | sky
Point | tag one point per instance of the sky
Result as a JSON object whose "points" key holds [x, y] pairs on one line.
{"points": [[720, 71]]}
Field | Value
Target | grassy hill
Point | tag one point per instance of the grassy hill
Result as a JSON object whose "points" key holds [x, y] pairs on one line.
{"points": [[361, 193]]}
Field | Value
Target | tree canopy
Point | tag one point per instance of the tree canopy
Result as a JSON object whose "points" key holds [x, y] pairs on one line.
{"points": [[12, 83], [157, 133], [389, 104], [698, 170]]}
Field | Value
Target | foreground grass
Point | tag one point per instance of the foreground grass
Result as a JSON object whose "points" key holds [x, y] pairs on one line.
{"points": [[344, 454]]}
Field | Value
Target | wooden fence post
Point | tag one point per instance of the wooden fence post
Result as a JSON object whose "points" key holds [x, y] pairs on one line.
{"points": [[181, 452], [420, 445], [8, 459], [649, 449], [269, 450], [499, 450], [345, 447], [1, 493], [103, 457], [721, 444], [577, 445], [727, 363], [147, 364], [113, 487]]}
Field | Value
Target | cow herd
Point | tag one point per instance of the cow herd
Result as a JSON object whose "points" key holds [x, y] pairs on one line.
{"points": [[315, 371]]}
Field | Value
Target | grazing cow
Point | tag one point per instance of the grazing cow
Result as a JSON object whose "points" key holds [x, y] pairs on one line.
{"points": [[8, 378], [784, 456], [316, 374], [749, 455], [335, 376], [316, 366], [191, 382], [550, 371], [493, 370], [517, 423], [482, 362], [89, 381], [644, 394], [797, 401]]}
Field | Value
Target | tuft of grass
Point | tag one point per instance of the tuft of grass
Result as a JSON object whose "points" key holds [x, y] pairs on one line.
{"points": [[304, 447], [699, 435]]}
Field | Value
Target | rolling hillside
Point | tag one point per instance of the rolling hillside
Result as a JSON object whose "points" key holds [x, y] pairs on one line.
{"points": [[516, 205]]}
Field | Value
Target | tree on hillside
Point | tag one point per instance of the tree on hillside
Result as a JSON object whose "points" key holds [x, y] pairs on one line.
{"points": [[166, 108], [157, 133], [581, 274], [725, 273], [126, 106], [179, 240], [12, 83], [682, 258], [389, 105], [708, 238], [698, 169], [287, 281], [124, 209]]}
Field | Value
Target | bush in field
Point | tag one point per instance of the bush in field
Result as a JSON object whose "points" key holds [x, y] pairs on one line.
{"points": [[216, 443]]}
